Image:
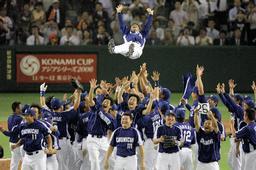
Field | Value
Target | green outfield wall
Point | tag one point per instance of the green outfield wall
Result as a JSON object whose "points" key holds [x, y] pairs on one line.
{"points": [[220, 64]]}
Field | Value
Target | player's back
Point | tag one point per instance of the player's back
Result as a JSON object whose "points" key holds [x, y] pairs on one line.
{"points": [[188, 133]]}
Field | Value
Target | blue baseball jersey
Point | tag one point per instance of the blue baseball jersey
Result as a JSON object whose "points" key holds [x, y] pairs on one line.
{"points": [[14, 121], [54, 135], [188, 133], [32, 135], [170, 133], [236, 110], [61, 119], [208, 146], [99, 122], [126, 141], [150, 123], [82, 125], [191, 110], [139, 37], [248, 136]]}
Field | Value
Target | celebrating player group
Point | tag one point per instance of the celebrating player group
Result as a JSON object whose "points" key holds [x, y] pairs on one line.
{"points": [[130, 125]]}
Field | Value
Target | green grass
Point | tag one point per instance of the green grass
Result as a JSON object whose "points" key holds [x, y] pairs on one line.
{"points": [[6, 100]]}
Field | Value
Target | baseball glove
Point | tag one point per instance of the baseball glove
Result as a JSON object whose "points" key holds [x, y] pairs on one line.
{"points": [[77, 85]]}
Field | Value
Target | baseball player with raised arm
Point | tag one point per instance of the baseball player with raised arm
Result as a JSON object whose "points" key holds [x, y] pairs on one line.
{"points": [[134, 37], [14, 121], [61, 119], [189, 138], [100, 126], [125, 139], [150, 122], [208, 138], [248, 135], [169, 138], [32, 134]]}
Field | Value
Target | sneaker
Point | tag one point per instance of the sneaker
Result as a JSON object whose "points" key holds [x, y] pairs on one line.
{"points": [[111, 45], [131, 50]]}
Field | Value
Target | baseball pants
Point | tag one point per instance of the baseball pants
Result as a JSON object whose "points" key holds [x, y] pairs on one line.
{"points": [[16, 158], [233, 161], [150, 154], [168, 161], [124, 49], [97, 148], [63, 154], [249, 160], [186, 159], [52, 163], [36, 161], [127, 163], [207, 166]]}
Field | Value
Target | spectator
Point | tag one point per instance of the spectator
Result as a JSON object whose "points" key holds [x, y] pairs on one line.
{"points": [[179, 16], [102, 36], [53, 39], [191, 7], [1, 152], [69, 38], [203, 12], [202, 39], [153, 39], [3, 31], [236, 39], [233, 13], [173, 28], [221, 14], [68, 22], [252, 21], [185, 39], [161, 13], [137, 8], [86, 38], [101, 14], [107, 5], [158, 29], [168, 38], [24, 25], [211, 31], [85, 17], [50, 28], [38, 14], [35, 38], [240, 22], [55, 13], [84, 27], [222, 40], [7, 24]]}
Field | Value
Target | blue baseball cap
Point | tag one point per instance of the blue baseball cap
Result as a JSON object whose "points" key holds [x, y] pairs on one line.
{"points": [[164, 106], [216, 113], [29, 112], [56, 103], [114, 107], [25, 107], [180, 113], [214, 98], [169, 112], [250, 103], [83, 95], [239, 97]]}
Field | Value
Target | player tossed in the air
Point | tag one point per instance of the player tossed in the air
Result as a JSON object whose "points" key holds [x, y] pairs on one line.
{"points": [[134, 37]]}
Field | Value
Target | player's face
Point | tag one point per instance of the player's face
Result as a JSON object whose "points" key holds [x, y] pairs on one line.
{"points": [[29, 118], [36, 111], [106, 103], [135, 28], [208, 125], [170, 119], [211, 102], [132, 102], [126, 121]]}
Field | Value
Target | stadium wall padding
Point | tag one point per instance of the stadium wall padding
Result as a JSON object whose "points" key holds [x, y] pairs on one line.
{"points": [[221, 64]]}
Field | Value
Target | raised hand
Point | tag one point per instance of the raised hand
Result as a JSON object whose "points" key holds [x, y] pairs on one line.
{"points": [[218, 88], [155, 76], [150, 11], [253, 86], [231, 84], [119, 8], [93, 83], [43, 87], [199, 70], [222, 88]]}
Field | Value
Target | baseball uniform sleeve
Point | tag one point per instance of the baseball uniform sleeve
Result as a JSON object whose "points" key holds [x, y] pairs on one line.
{"points": [[113, 138], [242, 132]]}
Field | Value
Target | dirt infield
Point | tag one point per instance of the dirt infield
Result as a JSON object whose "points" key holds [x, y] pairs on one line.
{"points": [[4, 124]]}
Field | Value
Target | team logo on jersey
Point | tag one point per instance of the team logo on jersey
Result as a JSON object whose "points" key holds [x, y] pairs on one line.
{"points": [[29, 65]]}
